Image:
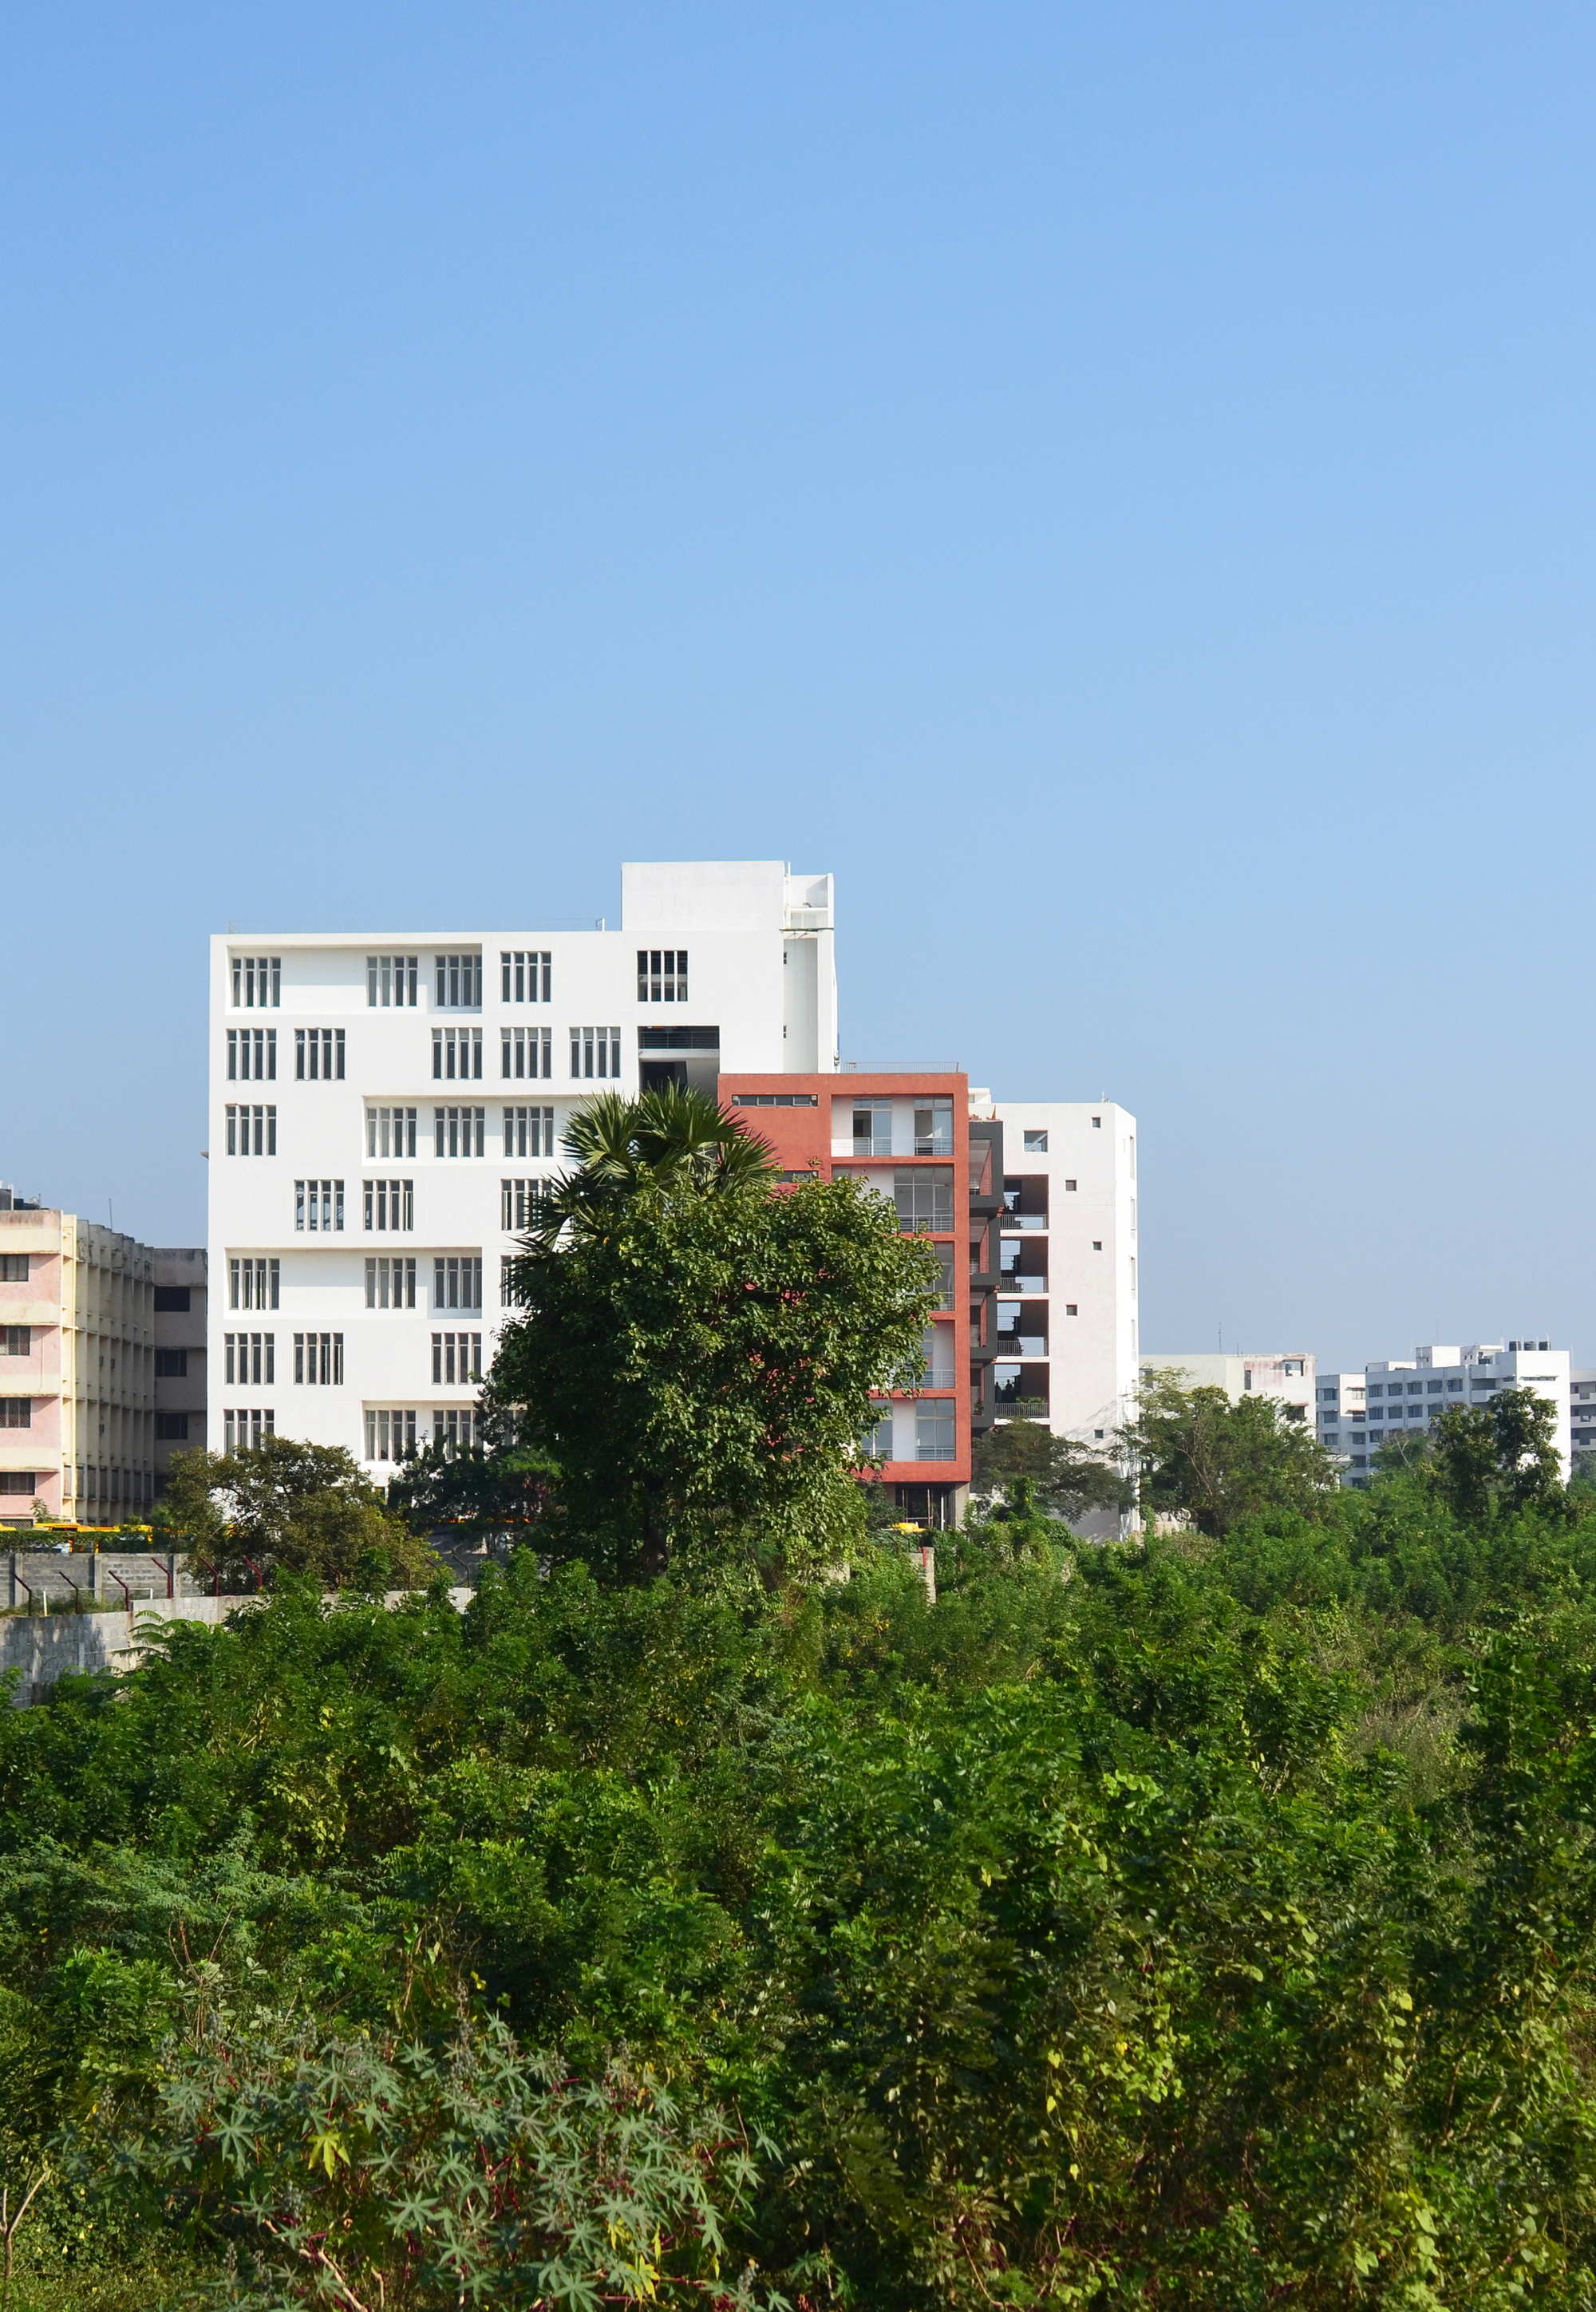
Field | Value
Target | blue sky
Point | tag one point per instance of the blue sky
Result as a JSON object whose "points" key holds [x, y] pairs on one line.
{"points": [[1114, 484]]}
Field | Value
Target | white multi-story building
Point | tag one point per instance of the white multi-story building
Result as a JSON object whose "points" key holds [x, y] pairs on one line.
{"points": [[1067, 1304], [383, 1104], [1359, 1412], [1286, 1375]]}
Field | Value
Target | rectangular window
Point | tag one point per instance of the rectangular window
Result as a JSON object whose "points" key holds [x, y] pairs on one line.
{"points": [[389, 1131], [252, 1283], [526, 1051], [458, 982], [317, 1055], [14, 1268], [251, 1130], [595, 1051], [319, 1205], [873, 1128], [243, 1431], [661, 975], [457, 1052], [249, 1359], [457, 1281], [319, 1360], [935, 1438], [934, 1127], [16, 1341], [257, 982], [526, 974], [520, 1204], [389, 1205], [457, 1357], [391, 981], [171, 1300], [171, 1364], [1036, 1143], [390, 1283], [18, 1483], [510, 1292], [251, 1055], [390, 1433], [924, 1201], [456, 1425], [529, 1132], [459, 1130], [172, 1427], [16, 1413]]}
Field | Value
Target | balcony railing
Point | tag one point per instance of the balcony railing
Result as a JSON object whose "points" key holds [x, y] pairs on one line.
{"points": [[1022, 1345], [1013, 1220], [1014, 1280]]}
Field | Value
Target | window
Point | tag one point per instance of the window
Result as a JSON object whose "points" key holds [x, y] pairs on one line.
{"points": [[944, 1254], [319, 1205], [391, 980], [934, 1127], [459, 1130], [251, 1055], [875, 1442], [171, 1300], [1097, 1244], [457, 1357], [510, 1295], [457, 1052], [459, 982], [924, 1201], [15, 1341], [18, 1482], [935, 1438], [1455, 1388], [171, 1364], [775, 1100], [243, 1431], [1036, 1143], [661, 975], [249, 1358], [389, 1203], [319, 1360], [251, 1130], [390, 1433], [526, 976], [457, 1281], [317, 1055], [873, 1128], [529, 1132], [1071, 1309], [391, 1283], [521, 1204], [526, 1051], [172, 1428], [936, 1357], [455, 1426], [600, 1044], [16, 1413], [257, 982], [390, 1131], [1097, 1124], [1416, 1388], [14, 1268], [1377, 1388], [1070, 1186], [252, 1283]]}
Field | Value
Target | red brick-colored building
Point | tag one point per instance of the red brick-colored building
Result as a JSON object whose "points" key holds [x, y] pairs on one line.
{"points": [[909, 1134]]}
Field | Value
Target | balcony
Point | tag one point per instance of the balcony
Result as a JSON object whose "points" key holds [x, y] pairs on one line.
{"points": [[1015, 1280], [1013, 1220], [1022, 1345]]}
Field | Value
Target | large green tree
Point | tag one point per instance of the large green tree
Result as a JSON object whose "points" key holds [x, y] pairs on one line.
{"points": [[1193, 1449], [284, 1506], [697, 1343], [1487, 1459]]}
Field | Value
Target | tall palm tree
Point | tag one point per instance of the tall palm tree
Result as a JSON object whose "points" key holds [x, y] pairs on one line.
{"points": [[668, 1138]]}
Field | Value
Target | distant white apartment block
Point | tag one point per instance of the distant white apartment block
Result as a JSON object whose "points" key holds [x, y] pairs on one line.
{"points": [[1288, 1376], [1067, 1290], [383, 1105], [1357, 1412]]}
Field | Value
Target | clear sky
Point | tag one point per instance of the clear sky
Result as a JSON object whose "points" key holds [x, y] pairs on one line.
{"points": [[1114, 483]]}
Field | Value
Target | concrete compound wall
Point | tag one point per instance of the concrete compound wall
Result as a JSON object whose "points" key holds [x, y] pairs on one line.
{"points": [[66, 1632]]}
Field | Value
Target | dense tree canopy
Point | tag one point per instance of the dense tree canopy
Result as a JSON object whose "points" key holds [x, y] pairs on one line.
{"points": [[286, 1506], [1193, 1450], [695, 1347]]}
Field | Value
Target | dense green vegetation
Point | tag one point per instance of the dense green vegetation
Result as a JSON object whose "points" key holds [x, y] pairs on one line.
{"points": [[1204, 1920]]}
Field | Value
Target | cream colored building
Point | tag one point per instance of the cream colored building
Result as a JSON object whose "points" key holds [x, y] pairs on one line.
{"points": [[77, 1367], [1287, 1375]]}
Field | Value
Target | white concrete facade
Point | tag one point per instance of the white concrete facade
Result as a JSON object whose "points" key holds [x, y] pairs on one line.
{"points": [[1069, 1291], [396, 1092], [1357, 1412]]}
